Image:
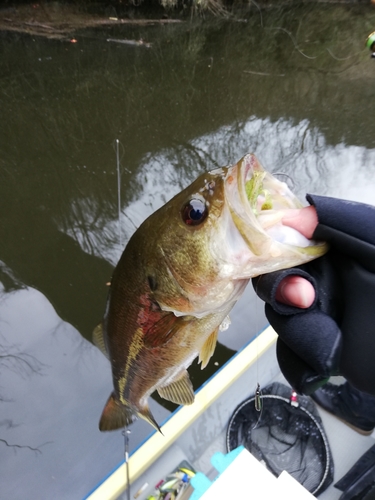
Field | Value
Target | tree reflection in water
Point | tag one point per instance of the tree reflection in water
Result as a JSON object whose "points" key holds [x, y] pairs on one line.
{"points": [[204, 95]]}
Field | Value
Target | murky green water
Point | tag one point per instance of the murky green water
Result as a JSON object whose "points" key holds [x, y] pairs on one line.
{"points": [[293, 86]]}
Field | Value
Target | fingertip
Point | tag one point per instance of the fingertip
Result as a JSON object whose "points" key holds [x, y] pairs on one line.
{"points": [[304, 220], [296, 291]]}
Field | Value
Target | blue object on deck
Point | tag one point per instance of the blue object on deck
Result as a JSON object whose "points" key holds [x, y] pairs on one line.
{"points": [[200, 483], [220, 461]]}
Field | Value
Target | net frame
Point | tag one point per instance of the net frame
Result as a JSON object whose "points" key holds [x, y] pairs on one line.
{"points": [[328, 469]]}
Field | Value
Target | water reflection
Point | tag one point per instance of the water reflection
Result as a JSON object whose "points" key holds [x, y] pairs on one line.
{"points": [[300, 151], [204, 95], [53, 383]]}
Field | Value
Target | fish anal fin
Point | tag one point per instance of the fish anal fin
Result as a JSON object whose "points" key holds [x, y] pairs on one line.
{"points": [[98, 339], [208, 349], [180, 391], [162, 331], [115, 415], [146, 414]]}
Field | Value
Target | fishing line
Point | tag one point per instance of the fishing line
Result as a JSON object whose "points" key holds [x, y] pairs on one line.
{"points": [[119, 150], [117, 144], [293, 41], [313, 57], [260, 12], [126, 431], [258, 393], [126, 434], [343, 58], [289, 178]]}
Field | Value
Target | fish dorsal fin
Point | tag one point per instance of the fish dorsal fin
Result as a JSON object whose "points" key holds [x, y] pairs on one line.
{"points": [[180, 391], [98, 339], [163, 330], [115, 415], [208, 349]]}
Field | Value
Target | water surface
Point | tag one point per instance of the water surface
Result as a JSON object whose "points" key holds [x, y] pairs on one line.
{"points": [[294, 86]]}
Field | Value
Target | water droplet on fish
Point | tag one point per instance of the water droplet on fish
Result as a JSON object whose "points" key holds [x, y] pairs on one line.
{"points": [[225, 324]]}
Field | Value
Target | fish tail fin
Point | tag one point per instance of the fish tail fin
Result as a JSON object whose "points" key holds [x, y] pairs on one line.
{"points": [[146, 414], [115, 415]]}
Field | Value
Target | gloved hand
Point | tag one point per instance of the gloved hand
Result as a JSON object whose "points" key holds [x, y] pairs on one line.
{"points": [[324, 311]]}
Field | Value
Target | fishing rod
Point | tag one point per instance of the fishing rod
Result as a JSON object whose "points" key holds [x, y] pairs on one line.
{"points": [[126, 432], [118, 190]]}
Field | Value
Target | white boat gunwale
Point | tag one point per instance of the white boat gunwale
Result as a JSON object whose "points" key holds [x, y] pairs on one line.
{"points": [[156, 444]]}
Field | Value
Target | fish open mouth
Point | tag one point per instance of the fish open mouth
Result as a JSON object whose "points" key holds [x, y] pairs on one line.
{"points": [[243, 184], [248, 190], [251, 176], [257, 202], [261, 190]]}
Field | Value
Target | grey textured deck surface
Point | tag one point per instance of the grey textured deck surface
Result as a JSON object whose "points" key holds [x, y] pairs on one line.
{"points": [[207, 434]]}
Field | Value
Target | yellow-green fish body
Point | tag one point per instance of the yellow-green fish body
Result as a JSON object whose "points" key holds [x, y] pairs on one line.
{"points": [[180, 275]]}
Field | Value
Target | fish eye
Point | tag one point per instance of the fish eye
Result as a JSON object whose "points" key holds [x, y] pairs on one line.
{"points": [[194, 212]]}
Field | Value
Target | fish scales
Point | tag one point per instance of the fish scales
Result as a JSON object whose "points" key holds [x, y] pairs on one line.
{"points": [[181, 273]]}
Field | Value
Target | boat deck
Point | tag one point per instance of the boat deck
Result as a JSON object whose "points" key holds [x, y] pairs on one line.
{"points": [[195, 433], [347, 446]]}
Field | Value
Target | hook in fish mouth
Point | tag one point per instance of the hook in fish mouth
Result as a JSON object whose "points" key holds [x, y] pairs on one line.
{"points": [[244, 182]]}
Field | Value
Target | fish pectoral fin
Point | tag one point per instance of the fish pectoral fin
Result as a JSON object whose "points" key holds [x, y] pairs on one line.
{"points": [[208, 349], [98, 339], [163, 330], [180, 391], [115, 415]]}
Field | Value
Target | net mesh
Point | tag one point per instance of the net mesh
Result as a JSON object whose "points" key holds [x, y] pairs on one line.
{"points": [[284, 437]]}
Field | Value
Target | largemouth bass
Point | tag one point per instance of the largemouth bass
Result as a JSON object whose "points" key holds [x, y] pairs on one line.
{"points": [[181, 273]]}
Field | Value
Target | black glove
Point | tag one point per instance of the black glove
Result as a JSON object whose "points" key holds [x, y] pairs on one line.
{"points": [[336, 335]]}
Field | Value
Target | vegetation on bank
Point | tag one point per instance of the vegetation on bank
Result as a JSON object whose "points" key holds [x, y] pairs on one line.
{"points": [[59, 19]]}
